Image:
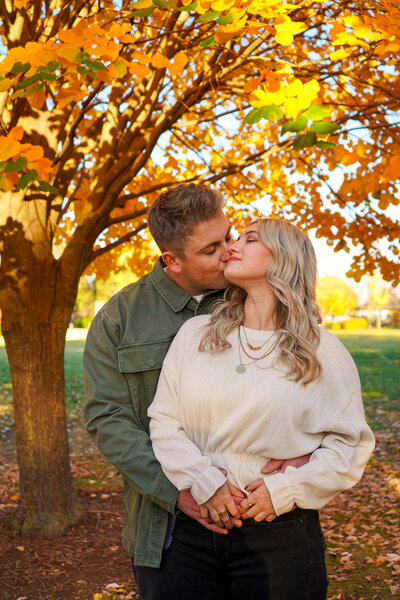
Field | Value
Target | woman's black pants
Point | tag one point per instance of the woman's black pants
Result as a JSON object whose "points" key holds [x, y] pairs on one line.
{"points": [[281, 560]]}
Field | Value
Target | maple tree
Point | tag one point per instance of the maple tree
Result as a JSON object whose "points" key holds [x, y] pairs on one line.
{"points": [[104, 104]]}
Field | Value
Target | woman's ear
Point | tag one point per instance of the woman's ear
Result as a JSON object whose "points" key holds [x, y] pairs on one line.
{"points": [[172, 261]]}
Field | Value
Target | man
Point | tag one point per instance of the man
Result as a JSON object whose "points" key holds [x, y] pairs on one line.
{"points": [[124, 352]]}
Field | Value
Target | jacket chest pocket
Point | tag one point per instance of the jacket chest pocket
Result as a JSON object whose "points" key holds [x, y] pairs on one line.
{"points": [[141, 364]]}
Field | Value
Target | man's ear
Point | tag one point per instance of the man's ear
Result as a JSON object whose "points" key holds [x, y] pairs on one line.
{"points": [[172, 261]]}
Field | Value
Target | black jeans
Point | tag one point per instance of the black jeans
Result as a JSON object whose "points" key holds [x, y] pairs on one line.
{"points": [[281, 560]]}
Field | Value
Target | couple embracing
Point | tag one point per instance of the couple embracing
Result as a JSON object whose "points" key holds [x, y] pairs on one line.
{"points": [[232, 416]]}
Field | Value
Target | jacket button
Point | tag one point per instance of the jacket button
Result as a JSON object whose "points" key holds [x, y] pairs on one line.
{"points": [[152, 362]]}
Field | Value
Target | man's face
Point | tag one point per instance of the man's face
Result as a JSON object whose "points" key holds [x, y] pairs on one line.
{"points": [[206, 256]]}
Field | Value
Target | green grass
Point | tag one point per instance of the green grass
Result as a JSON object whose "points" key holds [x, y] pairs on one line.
{"points": [[377, 356]]}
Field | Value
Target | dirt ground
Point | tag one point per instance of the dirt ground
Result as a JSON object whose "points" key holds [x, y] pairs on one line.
{"points": [[87, 560]]}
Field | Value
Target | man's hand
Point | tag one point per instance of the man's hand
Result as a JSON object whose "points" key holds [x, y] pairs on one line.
{"points": [[276, 465], [222, 508], [258, 504], [188, 505]]}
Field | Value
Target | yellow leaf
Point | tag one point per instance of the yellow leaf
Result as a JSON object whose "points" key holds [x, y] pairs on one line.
{"points": [[68, 52], [142, 4], [285, 38], [294, 88], [222, 5], [10, 150], [160, 62], [120, 67], [5, 85], [180, 61], [339, 54]]}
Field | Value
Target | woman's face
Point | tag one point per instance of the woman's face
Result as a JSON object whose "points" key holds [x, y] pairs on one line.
{"points": [[249, 259]]}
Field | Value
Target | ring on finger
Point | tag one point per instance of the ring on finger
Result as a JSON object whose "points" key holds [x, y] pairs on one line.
{"points": [[249, 504], [222, 513]]}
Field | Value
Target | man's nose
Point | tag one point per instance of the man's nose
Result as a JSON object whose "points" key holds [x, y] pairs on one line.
{"points": [[225, 253]]}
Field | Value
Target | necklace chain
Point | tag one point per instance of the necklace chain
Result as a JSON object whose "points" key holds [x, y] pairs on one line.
{"points": [[254, 347], [241, 367]]}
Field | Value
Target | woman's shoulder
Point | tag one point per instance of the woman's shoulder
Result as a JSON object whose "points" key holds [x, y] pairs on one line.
{"points": [[336, 360], [193, 326]]}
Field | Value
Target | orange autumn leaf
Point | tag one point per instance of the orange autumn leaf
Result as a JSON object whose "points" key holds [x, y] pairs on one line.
{"points": [[20, 3], [159, 61], [179, 63]]}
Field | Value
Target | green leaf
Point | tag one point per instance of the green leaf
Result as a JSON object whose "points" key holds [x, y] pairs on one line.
{"points": [[189, 7], [271, 112], [26, 179], [47, 77], [50, 68], [210, 41], [225, 19], [305, 141], [35, 89], [209, 15], [297, 125], [325, 145], [18, 94], [254, 116], [144, 12], [20, 67], [47, 187], [82, 56], [13, 166], [95, 65], [85, 71], [324, 127], [25, 82], [161, 3], [317, 112]]}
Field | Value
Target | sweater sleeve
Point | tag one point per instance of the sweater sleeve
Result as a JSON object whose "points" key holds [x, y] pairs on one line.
{"points": [[335, 466], [181, 460]]}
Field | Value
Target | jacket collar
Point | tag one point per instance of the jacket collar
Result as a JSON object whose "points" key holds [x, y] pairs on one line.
{"points": [[173, 295]]}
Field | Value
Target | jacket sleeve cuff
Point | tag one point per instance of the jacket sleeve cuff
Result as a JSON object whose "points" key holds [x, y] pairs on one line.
{"points": [[281, 490], [165, 493], [207, 484]]}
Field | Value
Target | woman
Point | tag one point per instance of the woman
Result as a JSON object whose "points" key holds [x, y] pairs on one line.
{"points": [[258, 379]]}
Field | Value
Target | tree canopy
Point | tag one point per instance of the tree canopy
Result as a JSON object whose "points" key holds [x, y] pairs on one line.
{"points": [[104, 104]]}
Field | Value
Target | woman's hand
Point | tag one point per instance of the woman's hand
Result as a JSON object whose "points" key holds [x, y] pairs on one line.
{"points": [[221, 507], [258, 504]]}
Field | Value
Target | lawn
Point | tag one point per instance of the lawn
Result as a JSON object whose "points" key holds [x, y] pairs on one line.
{"points": [[361, 526]]}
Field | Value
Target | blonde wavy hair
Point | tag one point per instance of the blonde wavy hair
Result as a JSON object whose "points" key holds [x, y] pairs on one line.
{"points": [[292, 276]]}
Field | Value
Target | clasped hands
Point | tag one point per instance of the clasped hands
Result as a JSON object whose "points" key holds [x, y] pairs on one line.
{"points": [[229, 506]]}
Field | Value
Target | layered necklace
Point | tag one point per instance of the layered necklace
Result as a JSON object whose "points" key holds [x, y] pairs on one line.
{"points": [[241, 367]]}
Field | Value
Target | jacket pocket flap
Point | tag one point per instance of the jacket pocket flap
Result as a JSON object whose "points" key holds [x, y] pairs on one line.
{"points": [[142, 357]]}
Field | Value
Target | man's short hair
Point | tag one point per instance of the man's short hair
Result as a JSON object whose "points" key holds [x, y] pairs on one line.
{"points": [[176, 212]]}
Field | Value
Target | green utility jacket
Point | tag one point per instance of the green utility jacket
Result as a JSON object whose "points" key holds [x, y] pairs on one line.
{"points": [[125, 348]]}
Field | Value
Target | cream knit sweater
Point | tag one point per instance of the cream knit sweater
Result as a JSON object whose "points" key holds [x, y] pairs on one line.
{"points": [[205, 415]]}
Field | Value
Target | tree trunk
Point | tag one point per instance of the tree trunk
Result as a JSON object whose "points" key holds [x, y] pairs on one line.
{"points": [[36, 306], [47, 503]]}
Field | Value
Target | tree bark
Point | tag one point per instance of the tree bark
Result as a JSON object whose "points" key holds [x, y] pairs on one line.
{"points": [[36, 306]]}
